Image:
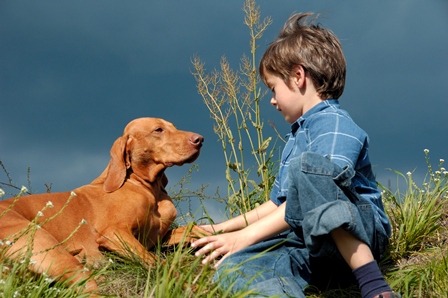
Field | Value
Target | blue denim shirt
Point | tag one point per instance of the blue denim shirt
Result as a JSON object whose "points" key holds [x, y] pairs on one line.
{"points": [[328, 130]]}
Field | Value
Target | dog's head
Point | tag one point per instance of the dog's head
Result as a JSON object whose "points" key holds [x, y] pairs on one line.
{"points": [[147, 147]]}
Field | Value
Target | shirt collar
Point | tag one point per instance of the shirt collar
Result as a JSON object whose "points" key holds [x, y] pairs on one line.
{"points": [[325, 104]]}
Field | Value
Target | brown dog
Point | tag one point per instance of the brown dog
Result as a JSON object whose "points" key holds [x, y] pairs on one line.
{"points": [[126, 202]]}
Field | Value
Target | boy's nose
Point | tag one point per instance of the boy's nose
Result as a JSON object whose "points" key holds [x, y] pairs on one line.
{"points": [[273, 102]]}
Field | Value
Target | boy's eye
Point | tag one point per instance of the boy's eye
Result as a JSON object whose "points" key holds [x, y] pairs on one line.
{"points": [[158, 129]]}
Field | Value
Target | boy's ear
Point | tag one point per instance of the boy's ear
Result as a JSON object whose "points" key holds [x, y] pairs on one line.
{"points": [[299, 76]]}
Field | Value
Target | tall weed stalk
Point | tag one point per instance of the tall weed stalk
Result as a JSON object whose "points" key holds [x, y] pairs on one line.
{"points": [[233, 99]]}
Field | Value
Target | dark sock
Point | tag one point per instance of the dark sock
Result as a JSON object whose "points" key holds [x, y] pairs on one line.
{"points": [[371, 280]]}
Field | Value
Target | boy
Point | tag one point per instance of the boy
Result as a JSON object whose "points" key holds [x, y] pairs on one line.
{"points": [[324, 204]]}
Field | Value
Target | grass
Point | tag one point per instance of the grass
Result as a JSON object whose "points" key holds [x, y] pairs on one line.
{"points": [[419, 243], [416, 264]]}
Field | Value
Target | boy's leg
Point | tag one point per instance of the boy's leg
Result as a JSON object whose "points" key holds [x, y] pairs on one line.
{"points": [[335, 221], [277, 267], [320, 200], [358, 256], [355, 252]]}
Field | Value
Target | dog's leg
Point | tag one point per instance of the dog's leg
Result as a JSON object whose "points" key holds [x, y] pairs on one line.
{"points": [[46, 255], [126, 245], [90, 257], [184, 235]]}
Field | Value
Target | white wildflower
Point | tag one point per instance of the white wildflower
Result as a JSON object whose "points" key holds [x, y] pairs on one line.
{"points": [[39, 214], [73, 194], [9, 243], [83, 221], [2, 192], [442, 160], [426, 151], [111, 261], [16, 294], [443, 169], [49, 204], [438, 173], [2, 282], [445, 172], [409, 173], [24, 189], [32, 262]]}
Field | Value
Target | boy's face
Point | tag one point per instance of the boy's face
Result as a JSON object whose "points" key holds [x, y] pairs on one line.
{"points": [[288, 100]]}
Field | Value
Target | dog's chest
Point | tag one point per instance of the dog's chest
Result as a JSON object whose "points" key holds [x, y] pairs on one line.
{"points": [[154, 217]]}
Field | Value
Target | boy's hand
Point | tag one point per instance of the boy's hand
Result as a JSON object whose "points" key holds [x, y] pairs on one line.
{"points": [[221, 245], [265, 221]]}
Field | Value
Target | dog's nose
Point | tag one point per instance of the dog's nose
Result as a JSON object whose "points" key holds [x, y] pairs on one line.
{"points": [[196, 139]]}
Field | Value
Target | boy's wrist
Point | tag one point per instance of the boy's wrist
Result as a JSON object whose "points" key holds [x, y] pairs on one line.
{"points": [[252, 236], [217, 227]]}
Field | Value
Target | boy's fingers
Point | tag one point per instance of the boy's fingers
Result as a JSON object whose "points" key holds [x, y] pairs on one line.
{"points": [[204, 250], [220, 261], [200, 242], [208, 248], [211, 257]]}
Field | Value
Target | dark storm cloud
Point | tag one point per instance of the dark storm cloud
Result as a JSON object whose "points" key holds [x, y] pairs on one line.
{"points": [[73, 74]]}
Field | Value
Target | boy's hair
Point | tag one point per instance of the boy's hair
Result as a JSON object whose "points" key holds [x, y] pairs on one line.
{"points": [[315, 48]]}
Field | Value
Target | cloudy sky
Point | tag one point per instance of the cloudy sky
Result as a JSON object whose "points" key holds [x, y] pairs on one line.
{"points": [[74, 73]]}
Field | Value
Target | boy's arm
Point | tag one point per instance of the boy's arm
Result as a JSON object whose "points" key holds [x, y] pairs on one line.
{"points": [[241, 221], [226, 244]]}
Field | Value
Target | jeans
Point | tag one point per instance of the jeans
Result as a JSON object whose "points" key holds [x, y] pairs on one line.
{"points": [[320, 199]]}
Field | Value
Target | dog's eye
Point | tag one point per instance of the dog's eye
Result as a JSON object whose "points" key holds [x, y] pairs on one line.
{"points": [[158, 129]]}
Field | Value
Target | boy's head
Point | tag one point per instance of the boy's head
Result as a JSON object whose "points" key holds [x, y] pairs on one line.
{"points": [[315, 48]]}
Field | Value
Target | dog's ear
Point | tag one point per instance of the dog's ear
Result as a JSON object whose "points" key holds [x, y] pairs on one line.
{"points": [[117, 167], [164, 180]]}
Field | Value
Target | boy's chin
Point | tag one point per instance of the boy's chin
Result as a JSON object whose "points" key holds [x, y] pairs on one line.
{"points": [[290, 120]]}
